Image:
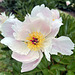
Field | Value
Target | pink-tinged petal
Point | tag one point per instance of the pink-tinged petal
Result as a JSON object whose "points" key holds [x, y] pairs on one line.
{"points": [[41, 9], [55, 14], [68, 3], [6, 28], [41, 26], [30, 57], [55, 27], [3, 18], [47, 53], [1, 0], [47, 48], [21, 30], [27, 18], [16, 46], [22, 34], [63, 45], [38, 25], [30, 66]]}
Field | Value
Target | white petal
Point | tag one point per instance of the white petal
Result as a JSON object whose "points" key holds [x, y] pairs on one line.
{"points": [[22, 34], [40, 26], [3, 18], [47, 48], [63, 45], [1, 0], [55, 14], [6, 28], [41, 9], [47, 53], [68, 3], [32, 56], [16, 46], [55, 27], [23, 31], [30, 66], [4, 15]]}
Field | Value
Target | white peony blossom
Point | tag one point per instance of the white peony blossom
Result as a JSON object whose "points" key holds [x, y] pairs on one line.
{"points": [[36, 35], [1, 0], [68, 3]]}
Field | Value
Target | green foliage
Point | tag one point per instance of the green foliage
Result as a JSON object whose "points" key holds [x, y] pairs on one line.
{"points": [[21, 7], [70, 73]]}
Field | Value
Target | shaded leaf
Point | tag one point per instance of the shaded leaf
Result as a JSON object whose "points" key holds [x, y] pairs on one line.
{"points": [[58, 67]]}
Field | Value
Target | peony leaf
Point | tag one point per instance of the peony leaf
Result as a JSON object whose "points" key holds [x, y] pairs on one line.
{"points": [[70, 73], [58, 67]]}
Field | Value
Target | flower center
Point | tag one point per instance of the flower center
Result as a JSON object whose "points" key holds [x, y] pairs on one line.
{"points": [[53, 19], [35, 41]]}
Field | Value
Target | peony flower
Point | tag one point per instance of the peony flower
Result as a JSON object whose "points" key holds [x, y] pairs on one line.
{"points": [[1, 0], [68, 3], [36, 35]]}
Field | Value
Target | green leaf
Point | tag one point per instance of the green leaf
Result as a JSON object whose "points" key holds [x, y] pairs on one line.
{"points": [[71, 66], [56, 58], [70, 73], [64, 61], [58, 67], [57, 72], [45, 72], [5, 73]]}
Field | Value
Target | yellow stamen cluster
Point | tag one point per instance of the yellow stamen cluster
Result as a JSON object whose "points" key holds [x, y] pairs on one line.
{"points": [[53, 19], [35, 41]]}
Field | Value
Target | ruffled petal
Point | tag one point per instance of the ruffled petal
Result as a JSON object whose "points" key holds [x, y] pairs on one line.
{"points": [[22, 34], [55, 14], [6, 28], [47, 53], [30, 57], [63, 45], [3, 18], [47, 48], [30, 66], [40, 26], [21, 30], [41, 9], [16, 46], [55, 27], [35, 25]]}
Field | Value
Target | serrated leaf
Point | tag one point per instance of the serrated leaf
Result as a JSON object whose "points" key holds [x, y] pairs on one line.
{"points": [[45, 72], [56, 58], [58, 67], [71, 66], [70, 73]]}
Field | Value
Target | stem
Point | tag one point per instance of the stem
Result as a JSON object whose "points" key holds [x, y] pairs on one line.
{"points": [[52, 60], [1, 37]]}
